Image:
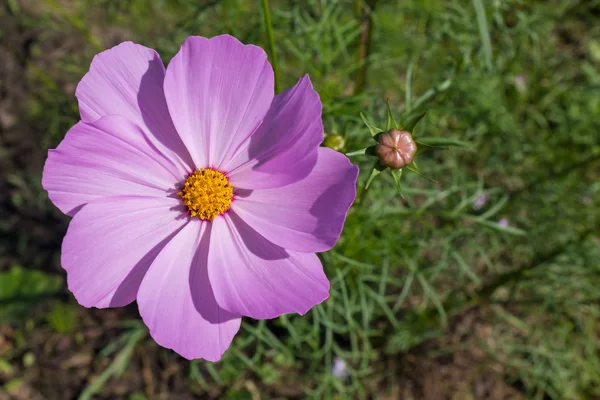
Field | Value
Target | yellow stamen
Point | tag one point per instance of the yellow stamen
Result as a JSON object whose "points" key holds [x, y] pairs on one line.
{"points": [[207, 193]]}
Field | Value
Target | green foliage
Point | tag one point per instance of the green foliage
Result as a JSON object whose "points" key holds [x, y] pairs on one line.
{"points": [[21, 289], [512, 85], [63, 317], [123, 347]]}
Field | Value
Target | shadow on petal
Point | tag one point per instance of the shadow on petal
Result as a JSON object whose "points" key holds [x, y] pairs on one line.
{"points": [[328, 206], [256, 243], [155, 113], [127, 290], [201, 288]]}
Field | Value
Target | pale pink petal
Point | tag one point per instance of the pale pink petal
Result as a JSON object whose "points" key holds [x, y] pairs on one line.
{"points": [[284, 148], [253, 277], [127, 80], [176, 299], [109, 157], [218, 91], [307, 215], [111, 243]]}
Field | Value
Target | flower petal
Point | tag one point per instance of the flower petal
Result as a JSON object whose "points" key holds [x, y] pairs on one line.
{"points": [[109, 157], [176, 299], [253, 277], [110, 244], [307, 215], [218, 91], [127, 80], [284, 148]]}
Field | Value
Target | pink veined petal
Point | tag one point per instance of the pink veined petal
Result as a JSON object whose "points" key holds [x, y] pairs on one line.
{"points": [[109, 157], [218, 91], [253, 277], [127, 80], [308, 215], [111, 243], [284, 148], [176, 299]]}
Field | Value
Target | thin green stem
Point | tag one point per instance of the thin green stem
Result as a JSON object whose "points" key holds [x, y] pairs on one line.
{"points": [[364, 12], [361, 195], [271, 38]]}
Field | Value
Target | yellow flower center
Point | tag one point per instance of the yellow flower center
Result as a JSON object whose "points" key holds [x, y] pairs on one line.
{"points": [[207, 193]]}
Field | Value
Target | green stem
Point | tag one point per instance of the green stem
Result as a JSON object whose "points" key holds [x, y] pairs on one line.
{"points": [[271, 38], [361, 195], [364, 12]]}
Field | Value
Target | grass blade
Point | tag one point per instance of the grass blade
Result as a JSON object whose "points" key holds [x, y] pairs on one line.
{"points": [[408, 93], [391, 122], [372, 128], [484, 33]]}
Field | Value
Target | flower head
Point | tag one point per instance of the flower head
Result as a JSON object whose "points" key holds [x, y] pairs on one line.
{"points": [[197, 192]]}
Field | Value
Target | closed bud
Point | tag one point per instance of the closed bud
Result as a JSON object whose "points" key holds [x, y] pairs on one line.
{"points": [[335, 142], [395, 148]]}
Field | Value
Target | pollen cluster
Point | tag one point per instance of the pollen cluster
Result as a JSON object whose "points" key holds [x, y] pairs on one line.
{"points": [[207, 193]]}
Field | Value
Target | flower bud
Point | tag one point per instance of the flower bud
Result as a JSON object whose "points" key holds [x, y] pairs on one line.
{"points": [[395, 148], [335, 142]]}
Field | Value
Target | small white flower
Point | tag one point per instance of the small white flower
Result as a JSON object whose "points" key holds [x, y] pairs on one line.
{"points": [[480, 202], [521, 83], [339, 368]]}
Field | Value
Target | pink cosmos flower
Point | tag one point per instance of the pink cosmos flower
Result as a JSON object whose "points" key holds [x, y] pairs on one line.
{"points": [[197, 192]]}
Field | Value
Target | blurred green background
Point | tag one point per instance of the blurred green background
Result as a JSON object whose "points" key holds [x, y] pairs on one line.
{"points": [[482, 285]]}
